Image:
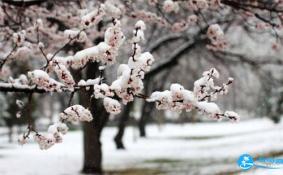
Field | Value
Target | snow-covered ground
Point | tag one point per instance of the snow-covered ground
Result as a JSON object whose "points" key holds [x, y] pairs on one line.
{"points": [[202, 148]]}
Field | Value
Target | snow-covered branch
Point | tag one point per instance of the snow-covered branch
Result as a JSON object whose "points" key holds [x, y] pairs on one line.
{"points": [[65, 41]]}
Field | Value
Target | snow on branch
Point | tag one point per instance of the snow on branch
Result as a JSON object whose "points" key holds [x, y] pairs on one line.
{"points": [[48, 36], [205, 91]]}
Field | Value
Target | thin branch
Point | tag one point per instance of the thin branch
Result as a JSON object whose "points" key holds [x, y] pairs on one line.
{"points": [[71, 98], [173, 59], [8, 87], [4, 60], [60, 49]]}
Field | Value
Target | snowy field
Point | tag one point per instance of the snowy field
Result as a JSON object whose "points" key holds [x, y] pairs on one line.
{"points": [[206, 148]]}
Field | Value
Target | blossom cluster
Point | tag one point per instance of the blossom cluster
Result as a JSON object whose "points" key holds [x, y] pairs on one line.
{"points": [[114, 37], [111, 105], [99, 53], [194, 5], [215, 34], [102, 90], [55, 131], [105, 52], [170, 6], [22, 80], [76, 113], [184, 24], [149, 17], [216, 37], [89, 82], [19, 38], [95, 16], [95, 53], [64, 75], [44, 81], [203, 4], [129, 81], [178, 98], [92, 18], [152, 2], [198, 4], [77, 35], [53, 136]]}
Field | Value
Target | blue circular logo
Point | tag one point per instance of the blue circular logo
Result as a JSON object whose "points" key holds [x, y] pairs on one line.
{"points": [[245, 161]]}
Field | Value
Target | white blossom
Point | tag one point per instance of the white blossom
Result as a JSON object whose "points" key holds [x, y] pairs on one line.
{"points": [[178, 98], [22, 140], [111, 9], [93, 17], [58, 127], [76, 113], [79, 36], [217, 38], [140, 25], [42, 79], [102, 90], [45, 142], [20, 103], [169, 6], [233, 116], [64, 75], [111, 105], [19, 37]]}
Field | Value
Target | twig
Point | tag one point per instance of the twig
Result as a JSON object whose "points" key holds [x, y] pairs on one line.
{"points": [[3, 61]]}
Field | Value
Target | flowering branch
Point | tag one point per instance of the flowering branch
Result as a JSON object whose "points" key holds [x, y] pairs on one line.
{"points": [[55, 76]]}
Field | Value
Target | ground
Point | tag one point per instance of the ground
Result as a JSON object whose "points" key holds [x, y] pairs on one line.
{"points": [[202, 148]]}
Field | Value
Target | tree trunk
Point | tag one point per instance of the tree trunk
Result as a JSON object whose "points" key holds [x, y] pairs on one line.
{"points": [[146, 110], [92, 130], [122, 125], [92, 144], [92, 150], [10, 134]]}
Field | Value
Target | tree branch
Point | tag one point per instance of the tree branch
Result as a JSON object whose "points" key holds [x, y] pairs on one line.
{"points": [[244, 59], [23, 3], [9, 87], [173, 59]]}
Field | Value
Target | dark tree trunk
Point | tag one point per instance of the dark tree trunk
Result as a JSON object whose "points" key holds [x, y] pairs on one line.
{"points": [[122, 126], [92, 130], [92, 144], [92, 150], [142, 123], [10, 134], [146, 110]]}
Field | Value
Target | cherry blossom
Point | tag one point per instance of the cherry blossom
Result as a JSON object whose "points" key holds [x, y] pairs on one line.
{"points": [[76, 113], [36, 37], [178, 98]]}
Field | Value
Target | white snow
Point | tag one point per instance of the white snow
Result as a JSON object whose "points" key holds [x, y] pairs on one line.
{"points": [[209, 107], [141, 25], [71, 33], [112, 10], [76, 113], [111, 105], [203, 148]]}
